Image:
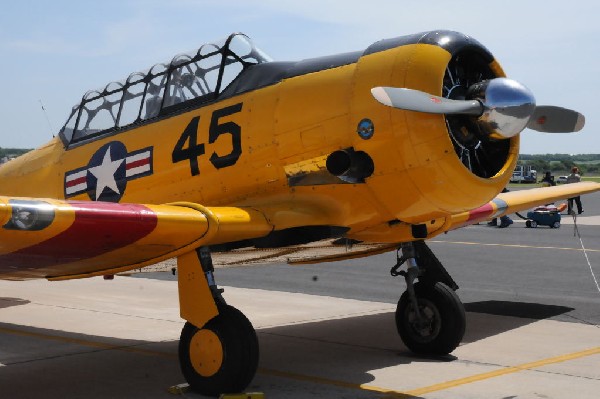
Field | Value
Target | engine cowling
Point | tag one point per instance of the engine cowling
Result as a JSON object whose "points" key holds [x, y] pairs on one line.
{"points": [[429, 166]]}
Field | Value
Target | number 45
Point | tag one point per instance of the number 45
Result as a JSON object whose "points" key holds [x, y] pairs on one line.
{"points": [[187, 147]]}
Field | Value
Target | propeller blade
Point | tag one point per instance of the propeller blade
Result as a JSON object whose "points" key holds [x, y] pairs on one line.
{"points": [[415, 100], [551, 119]]}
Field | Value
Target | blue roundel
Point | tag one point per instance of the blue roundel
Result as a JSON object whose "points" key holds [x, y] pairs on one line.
{"points": [[106, 173], [365, 129]]}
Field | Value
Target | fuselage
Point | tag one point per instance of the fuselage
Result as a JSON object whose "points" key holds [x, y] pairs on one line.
{"points": [[264, 141]]}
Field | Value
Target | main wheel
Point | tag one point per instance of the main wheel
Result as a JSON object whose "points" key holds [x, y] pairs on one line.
{"points": [[442, 323], [222, 356]]}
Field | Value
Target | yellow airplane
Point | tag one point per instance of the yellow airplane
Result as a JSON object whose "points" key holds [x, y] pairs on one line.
{"points": [[224, 153]]}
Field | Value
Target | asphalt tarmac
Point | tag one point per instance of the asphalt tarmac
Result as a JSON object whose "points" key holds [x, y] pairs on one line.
{"points": [[327, 330], [539, 273]]}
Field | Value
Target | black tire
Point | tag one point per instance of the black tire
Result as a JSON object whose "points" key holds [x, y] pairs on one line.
{"points": [[445, 320], [534, 224], [239, 359], [528, 223]]}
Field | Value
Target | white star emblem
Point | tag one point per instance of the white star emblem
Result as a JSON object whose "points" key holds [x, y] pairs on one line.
{"points": [[105, 173]]}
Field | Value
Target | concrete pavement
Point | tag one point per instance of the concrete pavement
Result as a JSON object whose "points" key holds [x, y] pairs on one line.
{"points": [[532, 326], [97, 339]]}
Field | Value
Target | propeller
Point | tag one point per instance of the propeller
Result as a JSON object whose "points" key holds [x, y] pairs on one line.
{"points": [[502, 108], [551, 119], [415, 100]]}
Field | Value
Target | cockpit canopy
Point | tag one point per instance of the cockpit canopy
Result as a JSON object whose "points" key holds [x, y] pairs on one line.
{"points": [[188, 80]]}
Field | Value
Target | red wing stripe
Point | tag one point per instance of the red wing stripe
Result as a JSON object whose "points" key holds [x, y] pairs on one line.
{"points": [[98, 228], [482, 212]]}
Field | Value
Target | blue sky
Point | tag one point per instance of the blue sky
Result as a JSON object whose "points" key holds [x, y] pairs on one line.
{"points": [[54, 51]]}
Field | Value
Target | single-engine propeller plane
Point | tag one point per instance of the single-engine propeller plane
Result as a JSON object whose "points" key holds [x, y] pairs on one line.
{"points": [[223, 151]]}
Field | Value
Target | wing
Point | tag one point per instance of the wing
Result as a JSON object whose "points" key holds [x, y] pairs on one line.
{"points": [[515, 201], [67, 239]]}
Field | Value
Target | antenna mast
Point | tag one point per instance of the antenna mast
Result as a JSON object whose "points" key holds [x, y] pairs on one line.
{"points": [[47, 119]]}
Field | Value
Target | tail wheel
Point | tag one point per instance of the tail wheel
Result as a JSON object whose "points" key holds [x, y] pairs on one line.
{"points": [[442, 324], [220, 357]]}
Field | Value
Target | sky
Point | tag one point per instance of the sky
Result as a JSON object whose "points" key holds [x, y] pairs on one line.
{"points": [[52, 52]]}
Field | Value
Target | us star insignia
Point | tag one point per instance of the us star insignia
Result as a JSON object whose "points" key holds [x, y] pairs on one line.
{"points": [[105, 176]]}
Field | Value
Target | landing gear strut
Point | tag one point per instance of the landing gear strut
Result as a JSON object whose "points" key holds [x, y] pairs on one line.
{"points": [[218, 348], [430, 317]]}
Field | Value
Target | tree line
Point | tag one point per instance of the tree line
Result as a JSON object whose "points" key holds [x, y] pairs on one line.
{"points": [[587, 163], [11, 152]]}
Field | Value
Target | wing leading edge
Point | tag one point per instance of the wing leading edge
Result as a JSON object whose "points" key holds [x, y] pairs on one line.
{"points": [[46, 238], [515, 201]]}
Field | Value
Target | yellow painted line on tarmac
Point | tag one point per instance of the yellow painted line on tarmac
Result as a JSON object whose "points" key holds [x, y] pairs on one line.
{"points": [[504, 371], [83, 342], [327, 381], [436, 387], [511, 245]]}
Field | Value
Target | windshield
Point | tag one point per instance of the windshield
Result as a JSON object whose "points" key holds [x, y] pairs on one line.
{"points": [[188, 80]]}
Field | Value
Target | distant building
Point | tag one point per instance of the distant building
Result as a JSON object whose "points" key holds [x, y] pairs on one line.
{"points": [[7, 158]]}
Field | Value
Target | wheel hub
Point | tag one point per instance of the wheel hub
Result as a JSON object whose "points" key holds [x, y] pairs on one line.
{"points": [[427, 326], [206, 353]]}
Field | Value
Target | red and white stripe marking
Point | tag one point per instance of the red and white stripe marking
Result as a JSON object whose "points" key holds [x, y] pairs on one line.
{"points": [[137, 164], [76, 182]]}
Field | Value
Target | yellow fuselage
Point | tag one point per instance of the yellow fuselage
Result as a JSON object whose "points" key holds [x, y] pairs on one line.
{"points": [[287, 130]]}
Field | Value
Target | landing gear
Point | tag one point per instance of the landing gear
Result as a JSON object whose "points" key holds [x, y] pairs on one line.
{"points": [[218, 348], [430, 317], [439, 325], [222, 356]]}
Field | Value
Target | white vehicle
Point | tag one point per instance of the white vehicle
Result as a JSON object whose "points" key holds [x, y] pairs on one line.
{"points": [[524, 174]]}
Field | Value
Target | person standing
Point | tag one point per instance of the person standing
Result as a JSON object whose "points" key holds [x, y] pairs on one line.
{"points": [[548, 180], [574, 177], [505, 221]]}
